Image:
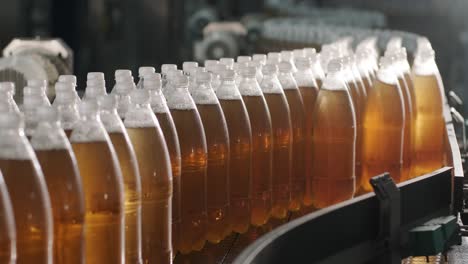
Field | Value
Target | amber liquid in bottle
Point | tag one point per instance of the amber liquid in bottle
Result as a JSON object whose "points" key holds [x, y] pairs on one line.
{"points": [[383, 133], [29, 196], [357, 98], [309, 97], [7, 226], [193, 178], [217, 141], [132, 195], [63, 180], [429, 126], [262, 158], [154, 165], [407, 132], [172, 141], [103, 191], [240, 141], [298, 176], [334, 132]]}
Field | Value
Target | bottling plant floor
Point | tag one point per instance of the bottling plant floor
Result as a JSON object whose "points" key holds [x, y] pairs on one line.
{"points": [[226, 251]]}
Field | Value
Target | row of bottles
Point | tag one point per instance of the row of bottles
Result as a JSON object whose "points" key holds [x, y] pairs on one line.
{"points": [[189, 156]]}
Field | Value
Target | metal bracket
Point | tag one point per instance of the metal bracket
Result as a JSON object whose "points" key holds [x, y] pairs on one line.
{"points": [[389, 231]]}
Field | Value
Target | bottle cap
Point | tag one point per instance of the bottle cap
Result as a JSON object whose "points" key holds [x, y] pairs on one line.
{"points": [[37, 83], [145, 70], [123, 73], [308, 52], [68, 78], [298, 53], [286, 55], [188, 65], [32, 90], [153, 81], [46, 113], [274, 56], [269, 69], [166, 68], [210, 64], [229, 62], [7, 87], [95, 75], [242, 59], [259, 57]]}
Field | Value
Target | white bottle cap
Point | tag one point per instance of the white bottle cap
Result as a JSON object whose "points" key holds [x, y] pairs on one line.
{"points": [[189, 65], [229, 62], [145, 70], [242, 59], [95, 75], [37, 83], [166, 68], [61, 87], [68, 79]]}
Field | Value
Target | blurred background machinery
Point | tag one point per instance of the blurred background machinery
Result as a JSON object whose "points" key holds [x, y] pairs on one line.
{"points": [[109, 34]]}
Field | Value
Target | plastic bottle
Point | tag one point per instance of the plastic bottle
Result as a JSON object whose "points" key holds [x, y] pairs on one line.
{"points": [[193, 152], [61, 174], [217, 140], [383, 125], [429, 124], [31, 203], [66, 106], [309, 91], [262, 145], [334, 139], [240, 170], [159, 106], [243, 59], [130, 173], [142, 72], [316, 67], [124, 85], [70, 79], [7, 226], [228, 62], [156, 178], [102, 186], [410, 116], [297, 113], [32, 100], [278, 107]]}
